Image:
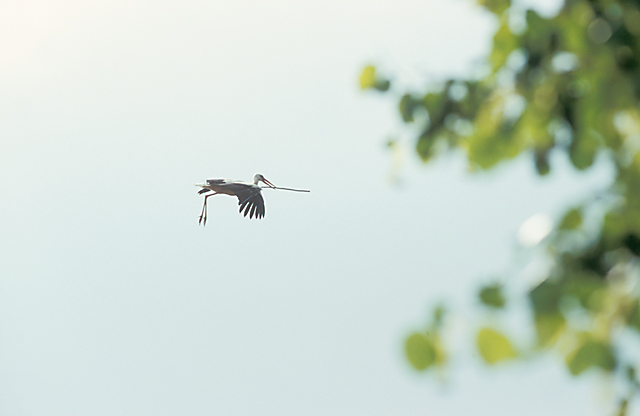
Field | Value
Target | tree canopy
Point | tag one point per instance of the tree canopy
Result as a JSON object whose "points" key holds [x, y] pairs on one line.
{"points": [[568, 83]]}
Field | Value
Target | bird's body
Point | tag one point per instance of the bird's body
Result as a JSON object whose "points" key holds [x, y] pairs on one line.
{"points": [[225, 186], [249, 194]]}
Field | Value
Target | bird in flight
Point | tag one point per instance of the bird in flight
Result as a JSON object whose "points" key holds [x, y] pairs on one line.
{"points": [[249, 194]]}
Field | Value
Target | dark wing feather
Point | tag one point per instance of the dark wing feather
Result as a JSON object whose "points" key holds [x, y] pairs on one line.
{"points": [[248, 207], [251, 203], [260, 207]]}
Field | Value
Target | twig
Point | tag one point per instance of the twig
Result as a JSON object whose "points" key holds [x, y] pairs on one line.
{"points": [[284, 189]]}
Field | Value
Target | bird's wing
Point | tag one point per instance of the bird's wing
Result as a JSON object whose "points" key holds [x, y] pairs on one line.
{"points": [[222, 186], [216, 181], [250, 200], [210, 182]]}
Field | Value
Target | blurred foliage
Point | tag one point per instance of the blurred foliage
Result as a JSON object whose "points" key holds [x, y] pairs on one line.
{"points": [[494, 346], [571, 220], [591, 353], [424, 349], [369, 79], [563, 84], [492, 296]]}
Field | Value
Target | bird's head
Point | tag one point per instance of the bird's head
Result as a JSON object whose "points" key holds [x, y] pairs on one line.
{"points": [[258, 177]]}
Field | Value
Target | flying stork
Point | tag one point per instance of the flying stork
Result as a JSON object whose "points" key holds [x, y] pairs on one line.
{"points": [[249, 195]]}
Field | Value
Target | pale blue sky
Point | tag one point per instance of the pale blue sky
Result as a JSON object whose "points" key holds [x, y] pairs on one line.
{"points": [[114, 301]]}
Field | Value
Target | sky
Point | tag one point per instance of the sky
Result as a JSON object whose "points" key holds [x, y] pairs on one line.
{"points": [[113, 300]]}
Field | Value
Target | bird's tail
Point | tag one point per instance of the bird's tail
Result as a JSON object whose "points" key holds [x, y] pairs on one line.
{"points": [[204, 188]]}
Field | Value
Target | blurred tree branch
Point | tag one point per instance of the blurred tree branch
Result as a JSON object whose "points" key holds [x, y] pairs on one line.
{"points": [[571, 84]]}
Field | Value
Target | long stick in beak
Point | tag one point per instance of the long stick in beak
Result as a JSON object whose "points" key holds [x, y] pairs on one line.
{"points": [[289, 189], [285, 189]]}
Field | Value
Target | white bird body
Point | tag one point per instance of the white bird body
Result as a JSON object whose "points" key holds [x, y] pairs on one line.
{"points": [[249, 194]]}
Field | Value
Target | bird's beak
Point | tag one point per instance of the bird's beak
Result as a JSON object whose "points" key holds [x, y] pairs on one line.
{"points": [[267, 182]]}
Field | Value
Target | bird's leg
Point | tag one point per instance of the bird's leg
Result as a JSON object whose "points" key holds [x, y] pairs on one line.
{"points": [[203, 214]]}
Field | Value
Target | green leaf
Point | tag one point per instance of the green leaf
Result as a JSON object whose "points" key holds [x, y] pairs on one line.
{"points": [[382, 85], [368, 77], [588, 289], [504, 43], [545, 296], [495, 6], [407, 106], [589, 354], [420, 351], [492, 296], [549, 327], [622, 409], [540, 38], [583, 151], [571, 220], [494, 346], [493, 139], [541, 157], [425, 147], [633, 315]]}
